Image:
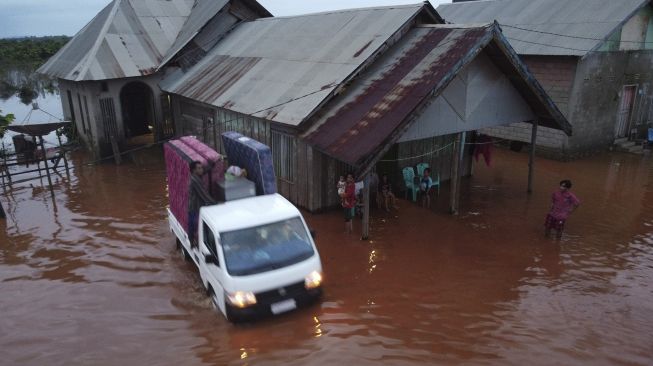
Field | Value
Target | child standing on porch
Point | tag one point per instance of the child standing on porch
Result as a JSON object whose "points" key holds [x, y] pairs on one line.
{"points": [[425, 187], [341, 188], [563, 203]]}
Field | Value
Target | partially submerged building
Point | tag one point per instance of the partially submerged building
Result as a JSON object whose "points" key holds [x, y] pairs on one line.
{"points": [[345, 90], [360, 90], [593, 57], [109, 72]]}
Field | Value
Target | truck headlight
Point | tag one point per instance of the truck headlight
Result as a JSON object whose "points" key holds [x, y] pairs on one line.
{"points": [[313, 280], [241, 299]]}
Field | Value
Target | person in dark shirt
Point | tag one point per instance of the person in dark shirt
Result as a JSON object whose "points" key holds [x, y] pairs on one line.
{"points": [[197, 197]]}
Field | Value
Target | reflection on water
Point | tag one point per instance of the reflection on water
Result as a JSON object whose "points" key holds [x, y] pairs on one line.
{"points": [[23, 82], [94, 277], [20, 86]]}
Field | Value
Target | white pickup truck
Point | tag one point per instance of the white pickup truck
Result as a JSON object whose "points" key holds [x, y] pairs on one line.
{"points": [[256, 256]]}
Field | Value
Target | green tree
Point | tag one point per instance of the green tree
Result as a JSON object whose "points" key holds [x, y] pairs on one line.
{"points": [[5, 120]]}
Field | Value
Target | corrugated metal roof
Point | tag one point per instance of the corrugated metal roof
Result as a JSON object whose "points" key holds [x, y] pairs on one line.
{"points": [[376, 107], [127, 38], [202, 12], [293, 63], [594, 19]]}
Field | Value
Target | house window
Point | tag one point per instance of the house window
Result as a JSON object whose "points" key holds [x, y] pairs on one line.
{"points": [[81, 112], [283, 151], [109, 118]]}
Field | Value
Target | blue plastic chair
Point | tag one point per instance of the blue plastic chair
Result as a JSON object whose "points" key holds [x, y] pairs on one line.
{"points": [[420, 169], [409, 181]]}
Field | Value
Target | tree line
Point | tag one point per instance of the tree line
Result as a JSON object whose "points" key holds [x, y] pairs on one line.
{"points": [[33, 50]]}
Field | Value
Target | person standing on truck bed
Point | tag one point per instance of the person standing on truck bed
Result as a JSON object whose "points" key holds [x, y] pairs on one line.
{"points": [[197, 197]]}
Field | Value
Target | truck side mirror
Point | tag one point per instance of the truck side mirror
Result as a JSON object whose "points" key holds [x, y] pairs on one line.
{"points": [[211, 259]]}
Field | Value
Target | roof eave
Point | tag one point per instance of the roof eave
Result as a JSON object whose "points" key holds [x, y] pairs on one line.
{"points": [[494, 35], [554, 113], [365, 165]]}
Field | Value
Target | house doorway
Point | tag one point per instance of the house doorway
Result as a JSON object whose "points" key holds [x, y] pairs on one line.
{"points": [[137, 100], [625, 110]]}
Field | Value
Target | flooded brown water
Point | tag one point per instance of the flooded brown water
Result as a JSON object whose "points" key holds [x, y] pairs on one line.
{"points": [[93, 278]]}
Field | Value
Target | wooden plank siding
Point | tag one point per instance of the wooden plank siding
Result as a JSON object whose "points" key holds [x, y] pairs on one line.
{"points": [[208, 123]]}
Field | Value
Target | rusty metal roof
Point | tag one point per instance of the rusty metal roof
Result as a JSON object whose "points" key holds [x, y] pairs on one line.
{"points": [[376, 108], [548, 27], [127, 38], [293, 63]]}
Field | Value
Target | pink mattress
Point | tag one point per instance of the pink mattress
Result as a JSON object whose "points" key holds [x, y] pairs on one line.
{"points": [[178, 157]]}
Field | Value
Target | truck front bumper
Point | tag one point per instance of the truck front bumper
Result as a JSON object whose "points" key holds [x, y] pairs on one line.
{"points": [[263, 309]]}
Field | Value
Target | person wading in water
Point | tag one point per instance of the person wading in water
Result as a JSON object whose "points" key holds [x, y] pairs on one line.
{"points": [[563, 203]]}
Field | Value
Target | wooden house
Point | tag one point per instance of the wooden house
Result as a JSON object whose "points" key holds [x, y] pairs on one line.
{"points": [[108, 73]]}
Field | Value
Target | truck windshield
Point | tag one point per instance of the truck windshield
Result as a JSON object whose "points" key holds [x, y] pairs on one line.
{"points": [[267, 247]]}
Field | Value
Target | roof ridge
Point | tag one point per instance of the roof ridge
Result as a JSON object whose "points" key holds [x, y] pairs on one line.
{"points": [[337, 11], [98, 40]]}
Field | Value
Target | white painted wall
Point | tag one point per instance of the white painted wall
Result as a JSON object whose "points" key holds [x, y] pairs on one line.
{"points": [[480, 96], [92, 90]]}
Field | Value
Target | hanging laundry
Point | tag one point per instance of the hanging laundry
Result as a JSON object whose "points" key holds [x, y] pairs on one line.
{"points": [[483, 146]]}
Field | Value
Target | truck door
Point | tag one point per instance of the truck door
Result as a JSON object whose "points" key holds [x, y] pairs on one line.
{"points": [[211, 269]]}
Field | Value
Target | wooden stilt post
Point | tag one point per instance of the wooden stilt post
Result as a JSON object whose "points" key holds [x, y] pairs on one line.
{"points": [[4, 166], [4, 161], [38, 165], [116, 150], [456, 159], [531, 157], [2, 212], [47, 169], [366, 208], [63, 154]]}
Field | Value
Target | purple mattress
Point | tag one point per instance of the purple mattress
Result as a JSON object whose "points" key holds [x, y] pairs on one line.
{"points": [[255, 157], [178, 157]]}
